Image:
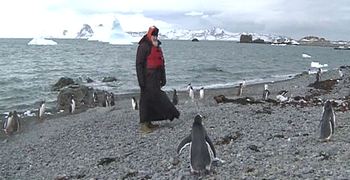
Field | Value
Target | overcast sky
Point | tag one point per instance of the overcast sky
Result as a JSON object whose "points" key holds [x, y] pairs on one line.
{"points": [[293, 18]]}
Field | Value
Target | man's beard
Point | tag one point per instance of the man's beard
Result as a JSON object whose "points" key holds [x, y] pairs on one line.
{"points": [[155, 42]]}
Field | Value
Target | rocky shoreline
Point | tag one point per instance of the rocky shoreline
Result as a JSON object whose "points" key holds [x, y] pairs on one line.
{"points": [[256, 141]]}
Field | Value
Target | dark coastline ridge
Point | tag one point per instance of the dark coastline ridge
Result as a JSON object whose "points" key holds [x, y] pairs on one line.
{"points": [[255, 141]]}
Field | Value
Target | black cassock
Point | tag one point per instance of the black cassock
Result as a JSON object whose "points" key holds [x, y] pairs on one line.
{"points": [[155, 105]]}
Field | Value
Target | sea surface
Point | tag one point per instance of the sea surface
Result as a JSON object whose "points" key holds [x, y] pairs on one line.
{"points": [[29, 71]]}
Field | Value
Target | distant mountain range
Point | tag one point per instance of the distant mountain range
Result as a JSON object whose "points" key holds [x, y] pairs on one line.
{"points": [[214, 33], [208, 34]]}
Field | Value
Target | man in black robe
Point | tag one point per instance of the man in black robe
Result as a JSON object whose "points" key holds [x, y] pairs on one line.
{"points": [[154, 103]]}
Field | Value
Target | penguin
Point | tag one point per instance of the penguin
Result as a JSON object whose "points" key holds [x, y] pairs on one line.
{"points": [[95, 97], [201, 93], [202, 151], [191, 93], [283, 92], [108, 99], [12, 123], [134, 103], [104, 100], [175, 98], [266, 92], [112, 99], [189, 86], [240, 89], [281, 96], [327, 122], [318, 75], [72, 104], [341, 74], [41, 111]]}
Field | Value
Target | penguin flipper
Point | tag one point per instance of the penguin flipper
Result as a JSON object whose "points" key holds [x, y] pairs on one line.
{"points": [[210, 144], [184, 143], [332, 122], [18, 125]]}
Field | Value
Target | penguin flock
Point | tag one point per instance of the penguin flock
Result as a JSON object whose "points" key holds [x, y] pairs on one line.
{"points": [[12, 120]]}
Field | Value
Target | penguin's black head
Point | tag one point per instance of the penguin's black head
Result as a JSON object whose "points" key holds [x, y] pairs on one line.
{"points": [[198, 119], [328, 105]]}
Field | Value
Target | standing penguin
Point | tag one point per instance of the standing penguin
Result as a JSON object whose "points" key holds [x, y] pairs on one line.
{"points": [[95, 97], [112, 99], [134, 103], [327, 123], [104, 99], [266, 92], [12, 123], [202, 148], [240, 89], [201, 93], [318, 75], [108, 99], [175, 98], [72, 104], [341, 74], [191, 93], [41, 110]]}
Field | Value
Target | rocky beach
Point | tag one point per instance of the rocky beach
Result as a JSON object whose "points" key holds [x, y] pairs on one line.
{"points": [[264, 140]]}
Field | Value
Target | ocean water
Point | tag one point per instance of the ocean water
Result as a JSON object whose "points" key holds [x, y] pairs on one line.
{"points": [[28, 72]]}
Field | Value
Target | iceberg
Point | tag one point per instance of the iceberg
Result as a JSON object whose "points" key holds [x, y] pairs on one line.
{"points": [[318, 65], [306, 56], [41, 41], [114, 35]]}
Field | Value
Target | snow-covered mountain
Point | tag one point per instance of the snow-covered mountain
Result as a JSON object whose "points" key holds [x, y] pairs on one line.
{"points": [[208, 34], [115, 33], [85, 32]]}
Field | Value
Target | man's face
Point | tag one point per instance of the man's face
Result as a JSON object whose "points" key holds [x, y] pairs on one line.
{"points": [[154, 38]]}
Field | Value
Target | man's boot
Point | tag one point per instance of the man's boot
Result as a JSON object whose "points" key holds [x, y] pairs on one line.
{"points": [[152, 126], [145, 128]]}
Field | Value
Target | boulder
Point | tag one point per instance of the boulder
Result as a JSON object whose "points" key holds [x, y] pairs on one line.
{"points": [[258, 41], [81, 95], [195, 40], [109, 79], [246, 38], [327, 85], [62, 82]]}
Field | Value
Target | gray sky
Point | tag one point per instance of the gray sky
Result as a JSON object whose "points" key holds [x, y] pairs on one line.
{"points": [[294, 18]]}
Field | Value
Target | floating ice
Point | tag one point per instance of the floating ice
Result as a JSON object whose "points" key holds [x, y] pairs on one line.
{"points": [[306, 56], [41, 41], [318, 65]]}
